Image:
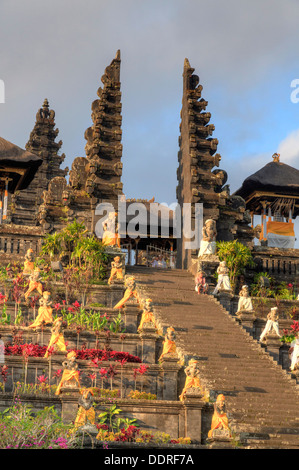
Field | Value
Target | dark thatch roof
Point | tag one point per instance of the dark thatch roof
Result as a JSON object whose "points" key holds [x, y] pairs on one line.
{"points": [[274, 177], [18, 165]]}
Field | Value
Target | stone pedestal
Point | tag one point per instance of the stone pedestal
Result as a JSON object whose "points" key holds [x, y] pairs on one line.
{"points": [[247, 319], [225, 298], [69, 400], [273, 345], [131, 314], [43, 336], [193, 405], [208, 264], [171, 369], [149, 337], [221, 438], [285, 359]]}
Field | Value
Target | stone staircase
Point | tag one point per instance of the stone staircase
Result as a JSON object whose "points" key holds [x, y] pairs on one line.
{"points": [[262, 399]]}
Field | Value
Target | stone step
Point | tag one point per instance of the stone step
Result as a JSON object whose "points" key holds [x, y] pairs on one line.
{"points": [[207, 331]]}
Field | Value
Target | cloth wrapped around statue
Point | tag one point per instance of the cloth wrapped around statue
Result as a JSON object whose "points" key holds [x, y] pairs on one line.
{"points": [[70, 373], [169, 346], [57, 338], [86, 412], [192, 379], [129, 292], [44, 316], [219, 419]]}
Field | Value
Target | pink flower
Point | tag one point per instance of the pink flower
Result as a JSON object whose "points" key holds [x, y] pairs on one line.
{"points": [[42, 379], [103, 371]]}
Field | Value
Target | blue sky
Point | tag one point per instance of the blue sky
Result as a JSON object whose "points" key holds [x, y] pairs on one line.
{"points": [[246, 54]]}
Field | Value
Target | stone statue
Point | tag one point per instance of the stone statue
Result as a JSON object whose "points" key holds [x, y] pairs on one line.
{"points": [[57, 338], [110, 231], [29, 262], [169, 346], [208, 242], [147, 314], [70, 375], [86, 413], [116, 270], [244, 303], [223, 278], [201, 285], [34, 283], [272, 324], [294, 350], [192, 378], [220, 426], [130, 291], [44, 316]]}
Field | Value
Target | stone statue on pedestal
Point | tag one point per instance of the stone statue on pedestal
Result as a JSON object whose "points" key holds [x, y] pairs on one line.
{"points": [[116, 270], [130, 291], [85, 419], [223, 278], [169, 346], [220, 427], [147, 315], [208, 242], [70, 375], [192, 378], [244, 303], [44, 312], [29, 262], [57, 338], [34, 283], [272, 324]]}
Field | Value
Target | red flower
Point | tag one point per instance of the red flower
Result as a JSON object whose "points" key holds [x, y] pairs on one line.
{"points": [[58, 373], [42, 379], [103, 372]]}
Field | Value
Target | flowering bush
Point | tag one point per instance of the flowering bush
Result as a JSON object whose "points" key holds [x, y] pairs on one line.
{"points": [[132, 433], [20, 429], [289, 336], [136, 395]]}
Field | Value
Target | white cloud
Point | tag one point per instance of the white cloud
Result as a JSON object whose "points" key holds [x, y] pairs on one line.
{"points": [[289, 149]]}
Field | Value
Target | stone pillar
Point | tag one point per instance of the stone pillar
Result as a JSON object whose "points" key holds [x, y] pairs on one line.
{"points": [[193, 405], [225, 298], [247, 319], [43, 336], [273, 345], [284, 356], [131, 312], [149, 338], [208, 264], [69, 401], [170, 369]]}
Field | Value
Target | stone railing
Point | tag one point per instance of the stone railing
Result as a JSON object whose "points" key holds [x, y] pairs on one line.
{"points": [[282, 264], [15, 240]]}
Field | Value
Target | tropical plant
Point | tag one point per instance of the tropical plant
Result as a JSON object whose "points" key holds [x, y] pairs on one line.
{"points": [[20, 428], [237, 257]]}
